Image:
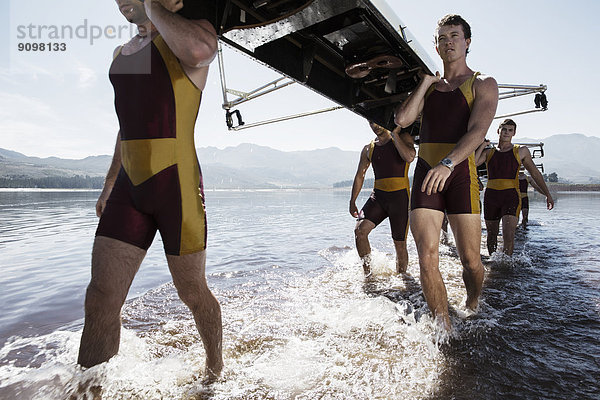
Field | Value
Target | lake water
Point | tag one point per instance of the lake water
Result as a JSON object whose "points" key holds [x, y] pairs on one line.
{"points": [[299, 319]]}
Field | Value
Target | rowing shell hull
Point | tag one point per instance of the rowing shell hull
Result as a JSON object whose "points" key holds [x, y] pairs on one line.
{"points": [[329, 46]]}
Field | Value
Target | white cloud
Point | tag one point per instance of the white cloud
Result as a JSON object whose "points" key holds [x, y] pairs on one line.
{"points": [[69, 126], [87, 76], [18, 107]]}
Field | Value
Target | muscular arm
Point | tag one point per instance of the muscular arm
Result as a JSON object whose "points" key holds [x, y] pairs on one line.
{"points": [[409, 110], [481, 153], [482, 114], [529, 165], [111, 177], [194, 43], [405, 145], [359, 178], [534, 185]]}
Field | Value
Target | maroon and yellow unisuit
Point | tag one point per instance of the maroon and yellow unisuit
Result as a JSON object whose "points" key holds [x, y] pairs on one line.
{"points": [[523, 186], [502, 195], [159, 186], [389, 198], [444, 122]]}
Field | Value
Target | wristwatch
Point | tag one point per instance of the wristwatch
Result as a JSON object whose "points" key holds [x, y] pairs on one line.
{"points": [[446, 162]]}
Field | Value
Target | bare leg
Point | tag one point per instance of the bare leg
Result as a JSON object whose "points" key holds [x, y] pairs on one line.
{"points": [[188, 273], [401, 256], [361, 236], [509, 227], [114, 264], [525, 212], [493, 227], [425, 226], [467, 233], [445, 230]]}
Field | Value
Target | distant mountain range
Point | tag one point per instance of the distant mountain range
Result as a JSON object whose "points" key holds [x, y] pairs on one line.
{"points": [[249, 165], [13, 164], [574, 157], [245, 166]]}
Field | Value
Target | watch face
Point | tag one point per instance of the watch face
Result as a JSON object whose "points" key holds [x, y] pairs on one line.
{"points": [[448, 163]]}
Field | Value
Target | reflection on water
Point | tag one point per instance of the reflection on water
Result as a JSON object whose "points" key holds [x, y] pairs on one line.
{"points": [[300, 321], [45, 253]]}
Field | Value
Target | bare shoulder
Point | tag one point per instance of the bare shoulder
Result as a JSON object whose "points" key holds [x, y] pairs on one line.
{"points": [[116, 51], [485, 83], [524, 152], [481, 77], [128, 47], [364, 154]]}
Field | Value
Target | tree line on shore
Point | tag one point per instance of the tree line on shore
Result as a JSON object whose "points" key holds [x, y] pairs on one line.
{"points": [[54, 182], [97, 182]]}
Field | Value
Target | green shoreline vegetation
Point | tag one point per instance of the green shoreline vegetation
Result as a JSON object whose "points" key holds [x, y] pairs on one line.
{"points": [[54, 182], [97, 182], [574, 187]]}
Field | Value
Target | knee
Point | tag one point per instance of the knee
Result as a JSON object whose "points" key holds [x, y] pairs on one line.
{"points": [[361, 232], [202, 304], [428, 258], [195, 296], [189, 296], [428, 248], [492, 227], [471, 263]]}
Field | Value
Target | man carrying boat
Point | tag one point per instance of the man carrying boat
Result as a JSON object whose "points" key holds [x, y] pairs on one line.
{"points": [[502, 198], [390, 154], [456, 111], [154, 181]]}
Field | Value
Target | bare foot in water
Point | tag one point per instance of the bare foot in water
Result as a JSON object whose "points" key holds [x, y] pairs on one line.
{"points": [[212, 373], [472, 304]]}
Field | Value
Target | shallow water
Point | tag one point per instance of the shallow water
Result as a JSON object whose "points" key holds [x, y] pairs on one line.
{"points": [[299, 319]]}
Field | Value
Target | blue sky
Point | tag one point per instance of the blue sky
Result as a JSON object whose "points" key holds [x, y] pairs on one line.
{"points": [[60, 103]]}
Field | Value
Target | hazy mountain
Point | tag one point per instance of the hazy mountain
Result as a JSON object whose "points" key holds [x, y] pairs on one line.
{"points": [[274, 168], [13, 165], [244, 166], [573, 157]]}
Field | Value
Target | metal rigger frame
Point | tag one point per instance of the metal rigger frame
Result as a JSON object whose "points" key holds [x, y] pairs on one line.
{"points": [[540, 100], [507, 91], [541, 104], [243, 97]]}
